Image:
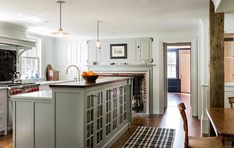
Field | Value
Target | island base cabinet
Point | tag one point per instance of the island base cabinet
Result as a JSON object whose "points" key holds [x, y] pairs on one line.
{"points": [[3, 111], [107, 115], [24, 125], [33, 124], [68, 120], [92, 117]]}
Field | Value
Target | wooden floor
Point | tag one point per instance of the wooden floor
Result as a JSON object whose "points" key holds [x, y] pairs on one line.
{"points": [[171, 119]]}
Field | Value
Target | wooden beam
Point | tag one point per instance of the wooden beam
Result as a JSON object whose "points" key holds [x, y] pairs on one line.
{"points": [[216, 83]]}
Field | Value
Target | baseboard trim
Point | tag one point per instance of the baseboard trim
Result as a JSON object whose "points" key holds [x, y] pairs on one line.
{"points": [[116, 136]]}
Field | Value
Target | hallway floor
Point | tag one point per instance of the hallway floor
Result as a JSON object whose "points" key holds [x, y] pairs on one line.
{"points": [[171, 119]]}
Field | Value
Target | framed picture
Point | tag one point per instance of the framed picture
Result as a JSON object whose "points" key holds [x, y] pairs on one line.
{"points": [[118, 51]]}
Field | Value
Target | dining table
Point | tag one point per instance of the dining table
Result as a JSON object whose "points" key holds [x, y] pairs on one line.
{"points": [[222, 121]]}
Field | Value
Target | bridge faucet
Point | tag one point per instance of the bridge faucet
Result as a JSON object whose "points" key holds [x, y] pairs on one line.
{"points": [[78, 77]]}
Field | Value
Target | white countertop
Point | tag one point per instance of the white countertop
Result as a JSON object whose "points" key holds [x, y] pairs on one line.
{"points": [[3, 88], [40, 95]]}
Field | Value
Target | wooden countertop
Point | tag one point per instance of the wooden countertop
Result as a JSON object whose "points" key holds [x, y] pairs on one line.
{"points": [[121, 74], [83, 84], [222, 120]]}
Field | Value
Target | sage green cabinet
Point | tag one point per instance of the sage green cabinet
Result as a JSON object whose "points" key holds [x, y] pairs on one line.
{"points": [[91, 117], [33, 120], [107, 111]]}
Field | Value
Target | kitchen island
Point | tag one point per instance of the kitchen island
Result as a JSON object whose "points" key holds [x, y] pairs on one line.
{"points": [[33, 120], [91, 114], [73, 114]]}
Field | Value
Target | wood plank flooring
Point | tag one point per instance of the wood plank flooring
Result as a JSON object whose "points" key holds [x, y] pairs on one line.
{"points": [[171, 119]]}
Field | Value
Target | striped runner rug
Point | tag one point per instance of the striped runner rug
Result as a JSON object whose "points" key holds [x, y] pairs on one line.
{"points": [[151, 137]]}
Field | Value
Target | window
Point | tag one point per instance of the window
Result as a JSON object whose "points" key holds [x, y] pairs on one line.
{"points": [[171, 64], [30, 61]]}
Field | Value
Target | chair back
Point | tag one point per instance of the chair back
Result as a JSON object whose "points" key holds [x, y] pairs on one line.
{"points": [[182, 108], [231, 101]]}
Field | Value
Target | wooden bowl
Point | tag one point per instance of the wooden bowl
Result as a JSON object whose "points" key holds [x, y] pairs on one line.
{"points": [[90, 79]]}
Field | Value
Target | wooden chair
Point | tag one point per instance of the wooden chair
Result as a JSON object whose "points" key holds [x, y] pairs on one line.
{"points": [[231, 101], [197, 142]]}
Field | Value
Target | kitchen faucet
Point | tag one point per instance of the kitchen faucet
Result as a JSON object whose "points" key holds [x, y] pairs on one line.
{"points": [[78, 77]]}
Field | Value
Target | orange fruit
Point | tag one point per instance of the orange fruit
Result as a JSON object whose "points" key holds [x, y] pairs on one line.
{"points": [[85, 73], [91, 73]]}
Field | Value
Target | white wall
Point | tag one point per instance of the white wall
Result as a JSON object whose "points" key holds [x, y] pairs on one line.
{"points": [[61, 53], [70, 52], [203, 59], [178, 37], [47, 52], [157, 55]]}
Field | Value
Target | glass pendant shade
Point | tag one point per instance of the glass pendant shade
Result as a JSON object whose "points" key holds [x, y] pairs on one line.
{"points": [[98, 43], [60, 32]]}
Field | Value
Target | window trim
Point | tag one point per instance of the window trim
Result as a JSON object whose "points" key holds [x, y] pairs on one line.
{"points": [[38, 55], [176, 65]]}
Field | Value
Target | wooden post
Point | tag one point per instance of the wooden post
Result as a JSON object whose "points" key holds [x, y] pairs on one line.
{"points": [[216, 83]]}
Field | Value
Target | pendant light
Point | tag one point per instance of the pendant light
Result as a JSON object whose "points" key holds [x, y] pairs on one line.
{"points": [[98, 43], [60, 31]]}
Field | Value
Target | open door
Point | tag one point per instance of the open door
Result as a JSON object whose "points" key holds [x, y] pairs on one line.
{"points": [[165, 74], [184, 70]]}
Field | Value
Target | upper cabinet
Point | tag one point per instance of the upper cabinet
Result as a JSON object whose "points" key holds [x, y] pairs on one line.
{"points": [[144, 49], [120, 51]]}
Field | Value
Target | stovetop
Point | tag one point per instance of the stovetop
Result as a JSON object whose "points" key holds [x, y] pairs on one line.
{"points": [[16, 84]]}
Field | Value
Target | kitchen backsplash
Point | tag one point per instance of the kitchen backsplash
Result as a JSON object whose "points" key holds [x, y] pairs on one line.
{"points": [[7, 64]]}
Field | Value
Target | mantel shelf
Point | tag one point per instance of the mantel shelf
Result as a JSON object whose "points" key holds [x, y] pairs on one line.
{"points": [[120, 65]]}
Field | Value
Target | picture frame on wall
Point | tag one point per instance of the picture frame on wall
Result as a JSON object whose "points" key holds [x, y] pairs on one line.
{"points": [[118, 51]]}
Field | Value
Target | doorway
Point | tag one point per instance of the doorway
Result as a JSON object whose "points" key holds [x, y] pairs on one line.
{"points": [[178, 73]]}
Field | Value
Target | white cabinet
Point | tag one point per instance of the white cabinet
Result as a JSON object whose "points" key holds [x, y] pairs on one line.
{"points": [[33, 120], [107, 112], [144, 50], [139, 51], [3, 110], [92, 117]]}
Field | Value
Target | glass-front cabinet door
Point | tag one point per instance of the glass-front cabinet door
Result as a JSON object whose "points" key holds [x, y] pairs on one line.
{"points": [[106, 113]]}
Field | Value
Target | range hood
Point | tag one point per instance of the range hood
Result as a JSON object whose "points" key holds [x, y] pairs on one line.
{"points": [[13, 37], [10, 43]]}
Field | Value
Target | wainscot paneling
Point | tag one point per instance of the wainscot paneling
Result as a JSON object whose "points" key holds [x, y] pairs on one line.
{"points": [[70, 52]]}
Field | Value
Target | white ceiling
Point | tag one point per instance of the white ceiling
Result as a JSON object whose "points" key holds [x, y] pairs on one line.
{"points": [[118, 16]]}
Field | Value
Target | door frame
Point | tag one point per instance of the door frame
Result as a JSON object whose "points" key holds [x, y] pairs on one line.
{"points": [[193, 90]]}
